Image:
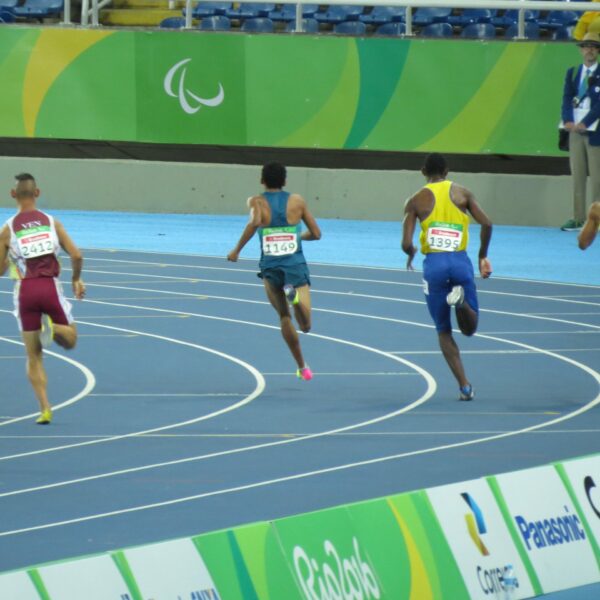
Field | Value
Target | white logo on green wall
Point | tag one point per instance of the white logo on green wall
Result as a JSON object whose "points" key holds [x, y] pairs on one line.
{"points": [[189, 102]]}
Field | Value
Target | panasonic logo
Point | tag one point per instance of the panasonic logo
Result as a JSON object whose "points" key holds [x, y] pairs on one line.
{"points": [[551, 531]]}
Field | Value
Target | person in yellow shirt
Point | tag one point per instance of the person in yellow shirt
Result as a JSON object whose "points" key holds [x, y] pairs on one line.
{"points": [[588, 233], [589, 22], [442, 208]]}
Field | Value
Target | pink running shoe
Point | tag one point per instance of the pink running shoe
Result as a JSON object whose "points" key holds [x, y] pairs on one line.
{"points": [[304, 373]]}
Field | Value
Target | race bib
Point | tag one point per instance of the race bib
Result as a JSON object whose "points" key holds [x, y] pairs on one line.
{"points": [[35, 241], [444, 236], [279, 241]]}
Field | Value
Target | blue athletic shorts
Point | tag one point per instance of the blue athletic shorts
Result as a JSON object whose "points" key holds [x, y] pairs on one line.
{"points": [[441, 272], [296, 275]]}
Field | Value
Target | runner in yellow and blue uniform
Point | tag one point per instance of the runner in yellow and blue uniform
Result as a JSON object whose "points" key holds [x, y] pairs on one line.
{"points": [[441, 207], [277, 216]]}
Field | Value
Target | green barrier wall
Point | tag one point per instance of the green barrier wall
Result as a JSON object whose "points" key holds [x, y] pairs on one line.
{"points": [[445, 543], [282, 90]]}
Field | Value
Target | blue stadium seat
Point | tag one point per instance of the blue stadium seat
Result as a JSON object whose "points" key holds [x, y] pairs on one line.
{"points": [[308, 26], [472, 15], [39, 8], [391, 29], [564, 33], [384, 14], [559, 18], [437, 30], [6, 16], [480, 31], [208, 9], [288, 12], [259, 25], [215, 23], [8, 5], [337, 13], [532, 31], [350, 28], [172, 23], [250, 10], [426, 16], [512, 16]]}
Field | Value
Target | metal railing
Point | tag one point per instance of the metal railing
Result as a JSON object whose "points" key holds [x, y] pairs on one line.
{"points": [[91, 13]]}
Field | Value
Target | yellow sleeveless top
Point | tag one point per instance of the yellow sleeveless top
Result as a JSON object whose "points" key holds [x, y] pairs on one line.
{"points": [[446, 229]]}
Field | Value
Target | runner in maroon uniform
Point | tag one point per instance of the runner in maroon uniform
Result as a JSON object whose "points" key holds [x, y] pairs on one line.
{"points": [[29, 244]]}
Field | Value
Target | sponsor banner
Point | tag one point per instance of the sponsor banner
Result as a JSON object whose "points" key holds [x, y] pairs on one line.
{"points": [[168, 570], [247, 563], [479, 538], [210, 88], [549, 527], [94, 578], [582, 477], [18, 585]]}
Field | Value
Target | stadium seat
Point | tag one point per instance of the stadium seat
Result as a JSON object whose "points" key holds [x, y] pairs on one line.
{"points": [[391, 29], [512, 16], [350, 28], [472, 15], [384, 14], [559, 18], [481, 31], [250, 10], [172, 23], [259, 25], [563, 33], [437, 30], [288, 12], [39, 8], [426, 16], [6, 17], [338, 13], [8, 5], [532, 31], [208, 9], [308, 26], [215, 23]]}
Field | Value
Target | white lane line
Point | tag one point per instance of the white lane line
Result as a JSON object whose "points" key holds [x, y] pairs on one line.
{"points": [[183, 395], [437, 352], [90, 382], [322, 374], [260, 385]]}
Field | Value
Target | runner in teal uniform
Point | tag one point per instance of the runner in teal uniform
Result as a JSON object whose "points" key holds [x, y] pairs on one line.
{"points": [[277, 216]]}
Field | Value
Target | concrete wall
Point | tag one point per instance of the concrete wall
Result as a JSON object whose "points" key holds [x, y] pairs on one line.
{"points": [[223, 189]]}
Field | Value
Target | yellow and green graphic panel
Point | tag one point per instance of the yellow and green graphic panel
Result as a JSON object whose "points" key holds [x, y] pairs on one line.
{"points": [[283, 91]]}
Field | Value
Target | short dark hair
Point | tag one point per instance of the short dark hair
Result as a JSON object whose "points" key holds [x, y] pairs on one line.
{"points": [[24, 177], [274, 175], [435, 164]]}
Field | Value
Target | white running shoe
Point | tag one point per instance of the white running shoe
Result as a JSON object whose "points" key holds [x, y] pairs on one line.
{"points": [[456, 296]]}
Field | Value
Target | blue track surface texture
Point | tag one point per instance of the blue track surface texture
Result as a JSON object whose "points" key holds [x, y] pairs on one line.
{"points": [[179, 411]]}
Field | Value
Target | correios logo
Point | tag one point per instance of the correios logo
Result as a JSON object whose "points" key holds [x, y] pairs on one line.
{"points": [[589, 484], [191, 103], [339, 578], [475, 524]]}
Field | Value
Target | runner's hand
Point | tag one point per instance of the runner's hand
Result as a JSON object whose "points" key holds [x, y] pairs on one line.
{"points": [[79, 289], [485, 267], [409, 265], [233, 256]]}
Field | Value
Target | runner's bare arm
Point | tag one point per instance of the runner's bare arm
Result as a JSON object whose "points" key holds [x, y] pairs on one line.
{"points": [[408, 231], [254, 222], [313, 231], [67, 244], [4, 245], [590, 229], [485, 267]]}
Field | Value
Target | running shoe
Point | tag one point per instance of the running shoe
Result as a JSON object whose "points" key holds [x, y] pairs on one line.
{"points": [[291, 293], [456, 296], [304, 373], [45, 417], [467, 392], [47, 333], [572, 225]]}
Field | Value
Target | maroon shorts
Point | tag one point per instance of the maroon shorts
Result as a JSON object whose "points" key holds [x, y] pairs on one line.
{"points": [[42, 295]]}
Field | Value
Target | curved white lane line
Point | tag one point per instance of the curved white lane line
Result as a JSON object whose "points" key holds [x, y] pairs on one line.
{"points": [[90, 382], [260, 386]]}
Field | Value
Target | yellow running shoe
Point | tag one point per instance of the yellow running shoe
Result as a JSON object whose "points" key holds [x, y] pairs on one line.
{"points": [[45, 417], [47, 333]]}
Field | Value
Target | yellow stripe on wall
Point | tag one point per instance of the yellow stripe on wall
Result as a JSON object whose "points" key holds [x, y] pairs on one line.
{"points": [[54, 50]]}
